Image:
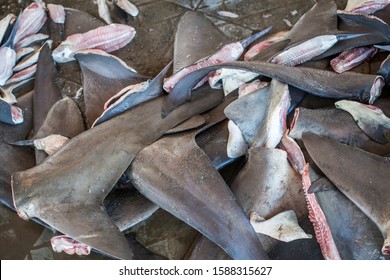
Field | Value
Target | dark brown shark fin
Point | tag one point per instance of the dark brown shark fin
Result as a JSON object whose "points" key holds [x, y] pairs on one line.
{"points": [[65, 119], [161, 173], [194, 122], [363, 177], [22, 143], [321, 19], [348, 85], [15, 158], [104, 75], [377, 32], [249, 112], [355, 235], [371, 120], [198, 36], [79, 22], [321, 184], [155, 87], [46, 92], [102, 232]]}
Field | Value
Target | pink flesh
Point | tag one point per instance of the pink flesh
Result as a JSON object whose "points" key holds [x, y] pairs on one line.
{"points": [[259, 47], [317, 217], [370, 7], [294, 153], [278, 121], [228, 53], [108, 38], [69, 246], [128, 7], [352, 58], [7, 63], [17, 114], [29, 40], [251, 87], [20, 53], [376, 89], [31, 21], [305, 51], [285, 105], [51, 144], [386, 250], [114, 98], [57, 13], [373, 108], [22, 75], [294, 120]]}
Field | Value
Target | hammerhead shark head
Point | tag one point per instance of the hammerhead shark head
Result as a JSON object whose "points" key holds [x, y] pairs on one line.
{"points": [[365, 186]]}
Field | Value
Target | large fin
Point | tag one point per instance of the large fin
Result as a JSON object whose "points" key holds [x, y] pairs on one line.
{"points": [[334, 124], [179, 191], [103, 76], [76, 178], [46, 92], [261, 114], [127, 207], [148, 90], [355, 235], [321, 19], [361, 176], [372, 121], [64, 118], [196, 38], [14, 158], [375, 30], [347, 85]]}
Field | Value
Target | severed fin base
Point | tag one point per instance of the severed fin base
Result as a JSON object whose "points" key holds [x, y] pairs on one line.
{"points": [[284, 226]]}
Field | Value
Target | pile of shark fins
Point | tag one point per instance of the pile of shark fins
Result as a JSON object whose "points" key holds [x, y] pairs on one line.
{"points": [[256, 169]]}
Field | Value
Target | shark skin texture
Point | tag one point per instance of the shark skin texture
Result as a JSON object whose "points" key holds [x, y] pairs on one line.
{"points": [[78, 198], [361, 176], [14, 158], [163, 173]]}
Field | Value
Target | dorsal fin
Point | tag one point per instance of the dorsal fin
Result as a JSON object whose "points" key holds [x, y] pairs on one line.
{"points": [[196, 38], [103, 76], [363, 177]]}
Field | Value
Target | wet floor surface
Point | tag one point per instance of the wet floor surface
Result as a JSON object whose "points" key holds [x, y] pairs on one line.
{"points": [[148, 53]]}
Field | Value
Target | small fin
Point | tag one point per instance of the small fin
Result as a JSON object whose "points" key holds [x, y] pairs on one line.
{"points": [[371, 120], [103, 76], [342, 37], [322, 184], [10, 114], [10, 41], [284, 226], [196, 38], [102, 234], [23, 143], [248, 41], [155, 88]]}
